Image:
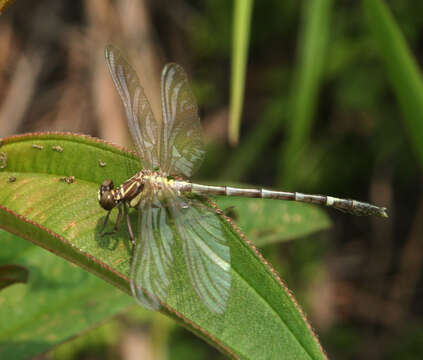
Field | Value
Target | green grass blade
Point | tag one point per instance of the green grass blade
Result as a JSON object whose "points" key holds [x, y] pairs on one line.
{"points": [[247, 154], [240, 36], [402, 68], [312, 52], [262, 318]]}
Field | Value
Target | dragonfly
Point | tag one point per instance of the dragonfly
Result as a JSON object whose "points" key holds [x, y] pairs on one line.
{"points": [[172, 218]]}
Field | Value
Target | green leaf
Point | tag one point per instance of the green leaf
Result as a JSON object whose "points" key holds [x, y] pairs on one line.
{"points": [[58, 302], [240, 38], [402, 69], [12, 274], [312, 52], [288, 220], [262, 318]]}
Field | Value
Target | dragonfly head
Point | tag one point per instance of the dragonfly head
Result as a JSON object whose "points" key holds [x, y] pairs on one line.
{"points": [[105, 195]]}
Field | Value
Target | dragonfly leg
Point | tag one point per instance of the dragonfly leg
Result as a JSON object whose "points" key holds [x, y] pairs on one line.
{"points": [[117, 224], [106, 220], [128, 224], [119, 219]]}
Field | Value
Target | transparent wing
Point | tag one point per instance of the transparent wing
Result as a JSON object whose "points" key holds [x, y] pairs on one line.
{"points": [[181, 141], [183, 226], [141, 122], [153, 254], [206, 252]]}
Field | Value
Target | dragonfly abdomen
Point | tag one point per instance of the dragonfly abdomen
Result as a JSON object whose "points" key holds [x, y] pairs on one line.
{"points": [[351, 206], [254, 193]]}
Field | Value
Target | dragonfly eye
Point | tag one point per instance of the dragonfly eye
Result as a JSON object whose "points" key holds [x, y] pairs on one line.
{"points": [[106, 185], [107, 200], [105, 196]]}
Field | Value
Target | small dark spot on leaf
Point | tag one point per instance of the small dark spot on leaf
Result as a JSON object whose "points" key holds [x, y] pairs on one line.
{"points": [[3, 160], [57, 148], [68, 179]]}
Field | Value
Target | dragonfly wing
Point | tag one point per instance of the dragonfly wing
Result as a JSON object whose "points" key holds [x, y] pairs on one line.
{"points": [[144, 128], [206, 252], [181, 148], [153, 257]]}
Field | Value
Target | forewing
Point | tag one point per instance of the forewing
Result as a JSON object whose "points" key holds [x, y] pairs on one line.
{"points": [[152, 258], [181, 149], [141, 122], [206, 252]]}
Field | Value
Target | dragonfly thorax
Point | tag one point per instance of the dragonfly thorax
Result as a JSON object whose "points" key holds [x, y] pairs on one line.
{"points": [[157, 182], [131, 190]]}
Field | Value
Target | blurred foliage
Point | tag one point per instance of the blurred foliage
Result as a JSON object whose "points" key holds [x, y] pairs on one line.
{"points": [[311, 59]]}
